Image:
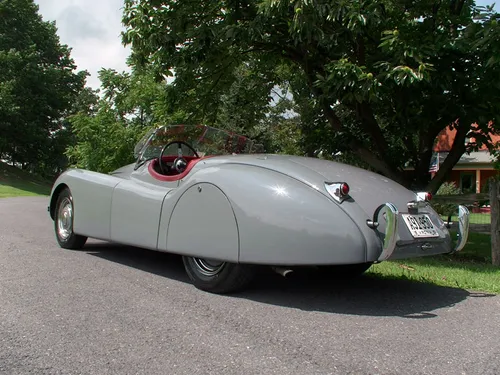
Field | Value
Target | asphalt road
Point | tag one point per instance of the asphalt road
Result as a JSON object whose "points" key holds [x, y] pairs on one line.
{"points": [[109, 309]]}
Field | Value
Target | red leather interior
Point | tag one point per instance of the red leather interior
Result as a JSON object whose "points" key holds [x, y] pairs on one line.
{"points": [[154, 166]]}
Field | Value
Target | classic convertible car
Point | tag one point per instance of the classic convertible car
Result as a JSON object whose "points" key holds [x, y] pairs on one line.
{"points": [[208, 195]]}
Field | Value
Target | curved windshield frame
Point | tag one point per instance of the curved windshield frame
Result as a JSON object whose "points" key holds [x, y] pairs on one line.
{"points": [[204, 139]]}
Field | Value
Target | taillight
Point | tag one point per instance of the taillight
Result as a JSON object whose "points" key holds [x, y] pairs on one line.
{"points": [[428, 196], [338, 190], [344, 189]]}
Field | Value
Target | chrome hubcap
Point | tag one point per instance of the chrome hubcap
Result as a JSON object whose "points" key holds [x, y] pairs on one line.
{"points": [[65, 219], [209, 267]]}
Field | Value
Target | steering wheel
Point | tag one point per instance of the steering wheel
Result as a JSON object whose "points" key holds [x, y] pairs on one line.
{"points": [[180, 164]]}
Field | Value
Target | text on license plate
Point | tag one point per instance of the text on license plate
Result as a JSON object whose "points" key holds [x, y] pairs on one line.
{"points": [[420, 225]]}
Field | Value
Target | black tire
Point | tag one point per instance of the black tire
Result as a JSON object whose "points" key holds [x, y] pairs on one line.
{"points": [[344, 271], [217, 277], [63, 227]]}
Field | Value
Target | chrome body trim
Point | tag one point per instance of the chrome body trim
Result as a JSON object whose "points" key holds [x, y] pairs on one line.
{"points": [[426, 246], [421, 196], [415, 205]]}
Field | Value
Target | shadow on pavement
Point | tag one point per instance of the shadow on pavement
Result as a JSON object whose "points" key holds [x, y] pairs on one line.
{"points": [[366, 295], [158, 263]]}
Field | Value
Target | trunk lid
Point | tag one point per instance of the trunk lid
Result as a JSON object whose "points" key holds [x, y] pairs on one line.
{"points": [[368, 189]]}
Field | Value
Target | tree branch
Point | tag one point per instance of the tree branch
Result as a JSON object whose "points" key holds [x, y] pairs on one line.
{"points": [[361, 151], [371, 126], [357, 147], [456, 7]]}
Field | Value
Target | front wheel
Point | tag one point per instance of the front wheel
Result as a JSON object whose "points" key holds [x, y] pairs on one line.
{"points": [[63, 223], [216, 276]]}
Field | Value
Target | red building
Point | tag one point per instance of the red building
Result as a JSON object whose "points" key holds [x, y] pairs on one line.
{"points": [[473, 170]]}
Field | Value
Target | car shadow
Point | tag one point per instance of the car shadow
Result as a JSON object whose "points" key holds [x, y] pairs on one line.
{"points": [[367, 295], [162, 264]]}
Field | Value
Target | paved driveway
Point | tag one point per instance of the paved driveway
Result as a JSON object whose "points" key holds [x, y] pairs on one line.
{"points": [[111, 309]]}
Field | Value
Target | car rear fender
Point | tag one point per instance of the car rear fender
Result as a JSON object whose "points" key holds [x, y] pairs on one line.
{"points": [[283, 221]]}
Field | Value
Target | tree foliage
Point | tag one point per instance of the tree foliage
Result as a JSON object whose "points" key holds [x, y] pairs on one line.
{"points": [[131, 104], [377, 80], [103, 142], [38, 87]]}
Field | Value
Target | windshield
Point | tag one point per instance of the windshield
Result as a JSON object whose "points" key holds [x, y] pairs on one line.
{"points": [[204, 139]]}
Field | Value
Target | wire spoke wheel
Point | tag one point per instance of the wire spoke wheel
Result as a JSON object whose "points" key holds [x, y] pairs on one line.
{"points": [[217, 276], [209, 267]]}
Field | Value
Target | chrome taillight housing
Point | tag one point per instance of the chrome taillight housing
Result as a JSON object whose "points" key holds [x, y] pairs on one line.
{"points": [[338, 190], [424, 196]]}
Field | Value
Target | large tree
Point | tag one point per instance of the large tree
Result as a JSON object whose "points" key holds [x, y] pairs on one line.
{"points": [[38, 87], [385, 76]]}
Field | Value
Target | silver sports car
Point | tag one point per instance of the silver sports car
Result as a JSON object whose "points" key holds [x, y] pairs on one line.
{"points": [[210, 196]]}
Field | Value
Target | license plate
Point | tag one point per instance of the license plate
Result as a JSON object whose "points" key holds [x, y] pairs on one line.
{"points": [[420, 225]]}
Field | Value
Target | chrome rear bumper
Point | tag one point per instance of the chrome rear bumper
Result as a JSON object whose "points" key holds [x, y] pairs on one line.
{"points": [[391, 229], [463, 228], [391, 236]]}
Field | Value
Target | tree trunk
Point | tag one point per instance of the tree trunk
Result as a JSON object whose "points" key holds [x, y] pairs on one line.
{"points": [[495, 221], [456, 152]]}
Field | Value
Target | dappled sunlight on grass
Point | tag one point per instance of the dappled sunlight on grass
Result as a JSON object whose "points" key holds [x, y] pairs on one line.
{"points": [[481, 278], [469, 269], [475, 218]]}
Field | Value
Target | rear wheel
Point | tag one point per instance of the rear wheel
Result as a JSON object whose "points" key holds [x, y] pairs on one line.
{"points": [[216, 276], [63, 223]]}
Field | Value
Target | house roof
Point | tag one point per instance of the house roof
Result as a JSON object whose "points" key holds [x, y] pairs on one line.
{"points": [[476, 157], [482, 156], [447, 136]]}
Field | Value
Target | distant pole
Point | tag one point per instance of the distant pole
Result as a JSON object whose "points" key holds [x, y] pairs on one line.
{"points": [[495, 222]]}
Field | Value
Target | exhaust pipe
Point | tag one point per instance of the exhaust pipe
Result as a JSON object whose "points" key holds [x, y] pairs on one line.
{"points": [[282, 271]]}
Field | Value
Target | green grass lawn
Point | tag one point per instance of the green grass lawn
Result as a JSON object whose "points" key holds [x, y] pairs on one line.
{"points": [[468, 269], [15, 183], [474, 218]]}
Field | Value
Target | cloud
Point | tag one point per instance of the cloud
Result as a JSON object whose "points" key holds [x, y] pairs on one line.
{"points": [[77, 24], [92, 29]]}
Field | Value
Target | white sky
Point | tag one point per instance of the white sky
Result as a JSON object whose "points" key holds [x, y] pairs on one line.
{"points": [[92, 29]]}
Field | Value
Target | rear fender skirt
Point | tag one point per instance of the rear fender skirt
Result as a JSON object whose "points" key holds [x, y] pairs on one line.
{"points": [[203, 224]]}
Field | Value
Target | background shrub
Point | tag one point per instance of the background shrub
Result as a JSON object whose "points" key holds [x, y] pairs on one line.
{"points": [[447, 209]]}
